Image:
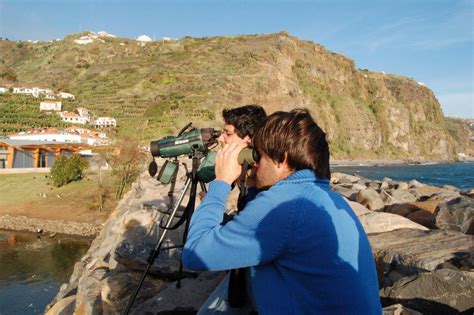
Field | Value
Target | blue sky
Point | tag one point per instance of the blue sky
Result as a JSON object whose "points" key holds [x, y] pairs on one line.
{"points": [[428, 40]]}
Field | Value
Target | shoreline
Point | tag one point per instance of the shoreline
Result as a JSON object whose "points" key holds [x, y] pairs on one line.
{"points": [[41, 226], [339, 163]]}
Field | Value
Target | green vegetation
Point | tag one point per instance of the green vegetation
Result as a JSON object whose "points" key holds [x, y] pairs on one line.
{"points": [[156, 89], [21, 113], [68, 169]]}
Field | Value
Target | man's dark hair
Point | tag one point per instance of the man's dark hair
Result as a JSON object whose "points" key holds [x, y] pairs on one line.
{"points": [[297, 134], [245, 119]]}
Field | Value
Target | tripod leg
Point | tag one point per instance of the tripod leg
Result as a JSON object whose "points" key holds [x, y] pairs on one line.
{"points": [[156, 250], [203, 187], [191, 205], [173, 180]]}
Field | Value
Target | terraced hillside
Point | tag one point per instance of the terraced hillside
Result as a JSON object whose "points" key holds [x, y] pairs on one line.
{"points": [[21, 113], [154, 89]]}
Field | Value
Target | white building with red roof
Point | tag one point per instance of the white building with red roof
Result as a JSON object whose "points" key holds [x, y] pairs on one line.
{"points": [[73, 118], [83, 112]]}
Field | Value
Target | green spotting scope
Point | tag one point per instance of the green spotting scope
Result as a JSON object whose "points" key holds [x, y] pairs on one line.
{"points": [[189, 143], [195, 139]]}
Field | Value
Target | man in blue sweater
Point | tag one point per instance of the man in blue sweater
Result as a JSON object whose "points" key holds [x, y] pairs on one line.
{"points": [[307, 250]]}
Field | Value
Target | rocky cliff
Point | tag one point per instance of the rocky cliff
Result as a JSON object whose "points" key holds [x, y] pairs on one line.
{"points": [[155, 88]]}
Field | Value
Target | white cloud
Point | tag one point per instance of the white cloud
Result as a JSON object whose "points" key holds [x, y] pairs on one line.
{"points": [[457, 104], [440, 43]]}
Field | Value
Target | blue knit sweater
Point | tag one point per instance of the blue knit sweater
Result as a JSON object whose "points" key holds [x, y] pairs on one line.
{"points": [[307, 250]]}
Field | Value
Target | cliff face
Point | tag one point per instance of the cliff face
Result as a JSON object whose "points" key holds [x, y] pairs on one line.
{"points": [[156, 88]]}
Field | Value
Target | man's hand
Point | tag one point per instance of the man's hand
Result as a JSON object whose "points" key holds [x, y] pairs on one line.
{"points": [[227, 167]]}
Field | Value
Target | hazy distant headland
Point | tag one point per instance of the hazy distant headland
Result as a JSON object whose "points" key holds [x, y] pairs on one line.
{"points": [[154, 88]]}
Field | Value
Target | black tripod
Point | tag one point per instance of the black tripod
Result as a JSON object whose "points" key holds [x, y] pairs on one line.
{"points": [[191, 180]]}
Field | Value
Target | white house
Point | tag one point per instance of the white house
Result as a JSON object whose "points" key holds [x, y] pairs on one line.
{"points": [[35, 91], [84, 40], [48, 93], [73, 118], [84, 112], [50, 106], [144, 38], [3, 89], [66, 95], [102, 122], [22, 90], [105, 34]]}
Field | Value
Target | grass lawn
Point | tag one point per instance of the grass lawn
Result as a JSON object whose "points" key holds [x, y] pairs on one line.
{"points": [[32, 195]]}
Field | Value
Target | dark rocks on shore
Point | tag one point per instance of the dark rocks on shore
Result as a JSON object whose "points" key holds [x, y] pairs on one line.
{"points": [[456, 214], [409, 251], [370, 198], [412, 262], [443, 291]]}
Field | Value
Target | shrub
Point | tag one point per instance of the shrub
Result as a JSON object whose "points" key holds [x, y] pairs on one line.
{"points": [[68, 169]]}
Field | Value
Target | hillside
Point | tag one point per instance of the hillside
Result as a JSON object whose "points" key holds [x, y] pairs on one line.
{"points": [[156, 88]]}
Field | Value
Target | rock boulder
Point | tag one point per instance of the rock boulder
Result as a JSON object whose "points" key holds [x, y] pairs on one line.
{"points": [[456, 214], [379, 222], [443, 291], [410, 251], [370, 199]]}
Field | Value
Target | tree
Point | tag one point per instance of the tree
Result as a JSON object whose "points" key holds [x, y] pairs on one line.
{"points": [[126, 164], [68, 169], [8, 75]]}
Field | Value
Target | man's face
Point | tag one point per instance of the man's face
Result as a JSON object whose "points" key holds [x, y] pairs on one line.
{"points": [[229, 135], [267, 172]]}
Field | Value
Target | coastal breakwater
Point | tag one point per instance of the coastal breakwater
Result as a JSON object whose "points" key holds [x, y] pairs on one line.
{"points": [[421, 237]]}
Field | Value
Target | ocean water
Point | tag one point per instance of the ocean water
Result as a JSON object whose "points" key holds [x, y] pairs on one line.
{"points": [[460, 175], [33, 268]]}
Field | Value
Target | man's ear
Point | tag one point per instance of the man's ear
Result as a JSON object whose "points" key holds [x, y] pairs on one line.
{"points": [[284, 162], [285, 166]]}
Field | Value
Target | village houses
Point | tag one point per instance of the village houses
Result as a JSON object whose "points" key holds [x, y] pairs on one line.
{"points": [[103, 122], [83, 112], [73, 118], [65, 95], [54, 106], [37, 92]]}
